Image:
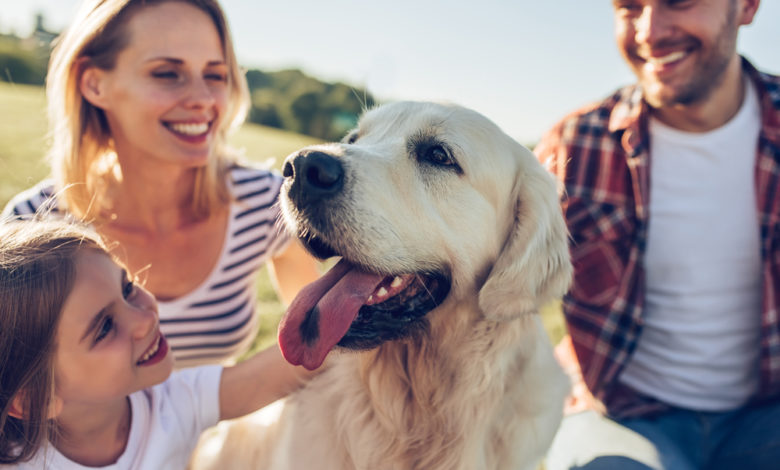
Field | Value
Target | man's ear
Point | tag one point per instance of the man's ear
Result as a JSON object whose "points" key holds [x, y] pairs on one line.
{"points": [[92, 85], [746, 11], [17, 406]]}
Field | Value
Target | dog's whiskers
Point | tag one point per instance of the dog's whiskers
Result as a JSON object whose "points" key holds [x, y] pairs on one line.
{"points": [[428, 291]]}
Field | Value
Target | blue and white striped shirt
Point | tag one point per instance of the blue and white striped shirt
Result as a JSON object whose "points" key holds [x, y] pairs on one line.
{"points": [[217, 321]]}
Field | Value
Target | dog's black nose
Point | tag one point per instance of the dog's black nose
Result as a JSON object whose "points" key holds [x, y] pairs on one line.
{"points": [[314, 176]]}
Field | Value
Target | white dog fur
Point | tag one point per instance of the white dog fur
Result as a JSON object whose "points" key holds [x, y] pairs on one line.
{"points": [[477, 387]]}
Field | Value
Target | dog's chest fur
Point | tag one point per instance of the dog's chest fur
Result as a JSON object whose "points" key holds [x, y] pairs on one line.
{"points": [[451, 403]]}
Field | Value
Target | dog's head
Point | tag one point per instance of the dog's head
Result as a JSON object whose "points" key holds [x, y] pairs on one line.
{"points": [[423, 202]]}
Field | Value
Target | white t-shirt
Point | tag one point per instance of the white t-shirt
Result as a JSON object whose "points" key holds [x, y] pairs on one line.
{"points": [[699, 347], [167, 421]]}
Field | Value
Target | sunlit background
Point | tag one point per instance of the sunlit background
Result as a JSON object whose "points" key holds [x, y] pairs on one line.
{"points": [[523, 63]]}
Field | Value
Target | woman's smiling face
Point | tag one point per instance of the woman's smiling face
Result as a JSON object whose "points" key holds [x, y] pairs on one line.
{"points": [[165, 97]]}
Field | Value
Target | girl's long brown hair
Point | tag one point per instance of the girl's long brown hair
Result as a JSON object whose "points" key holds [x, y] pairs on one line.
{"points": [[37, 272]]}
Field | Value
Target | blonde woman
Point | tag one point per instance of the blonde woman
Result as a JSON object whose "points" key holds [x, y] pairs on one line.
{"points": [[141, 96]]}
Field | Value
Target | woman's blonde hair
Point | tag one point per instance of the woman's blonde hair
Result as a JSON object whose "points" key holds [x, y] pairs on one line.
{"points": [[37, 273], [81, 154]]}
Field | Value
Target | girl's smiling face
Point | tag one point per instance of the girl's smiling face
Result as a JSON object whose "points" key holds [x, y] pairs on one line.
{"points": [[108, 341], [165, 96]]}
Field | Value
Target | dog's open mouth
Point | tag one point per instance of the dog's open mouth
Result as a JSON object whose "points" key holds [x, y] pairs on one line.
{"points": [[356, 309]]}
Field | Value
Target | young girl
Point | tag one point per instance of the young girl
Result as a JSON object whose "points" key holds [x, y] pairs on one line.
{"points": [[85, 375]]}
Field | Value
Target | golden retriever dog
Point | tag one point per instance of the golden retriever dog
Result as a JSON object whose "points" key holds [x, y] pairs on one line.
{"points": [[451, 238]]}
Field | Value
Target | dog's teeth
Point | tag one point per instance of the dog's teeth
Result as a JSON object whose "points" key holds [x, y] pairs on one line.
{"points": [[371, 298], [396, 282], [381, 292]]}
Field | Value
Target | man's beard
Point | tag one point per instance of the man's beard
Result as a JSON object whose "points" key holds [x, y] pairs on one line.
{"points": [[709, 73]]}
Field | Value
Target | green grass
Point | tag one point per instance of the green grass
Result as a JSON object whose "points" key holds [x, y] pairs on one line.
{"points": [[22, 138], [23, 143]]}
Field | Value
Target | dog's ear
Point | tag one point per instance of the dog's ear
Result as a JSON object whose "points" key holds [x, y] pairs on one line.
{"points": [[533, 266]]}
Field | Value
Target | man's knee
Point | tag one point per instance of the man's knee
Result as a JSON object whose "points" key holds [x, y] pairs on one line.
{"points": [[591, 441], [611, 462]]}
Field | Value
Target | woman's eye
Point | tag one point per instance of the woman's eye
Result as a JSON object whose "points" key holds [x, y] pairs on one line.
{"points": [[105, 328], [166, 75], [216, 77]]}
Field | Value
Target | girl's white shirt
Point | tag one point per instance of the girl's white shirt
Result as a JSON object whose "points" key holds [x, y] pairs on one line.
{"points": [[166, 423]]}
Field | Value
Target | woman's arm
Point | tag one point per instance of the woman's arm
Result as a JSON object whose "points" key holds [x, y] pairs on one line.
{"points": [[257, 382], [291, 270]]}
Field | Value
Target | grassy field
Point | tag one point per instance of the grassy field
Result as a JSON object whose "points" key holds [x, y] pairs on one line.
{"points": [[22, 138], [23, 144]]}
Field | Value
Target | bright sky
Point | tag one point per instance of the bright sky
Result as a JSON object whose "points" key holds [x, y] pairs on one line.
{"points": [[522, 63]]}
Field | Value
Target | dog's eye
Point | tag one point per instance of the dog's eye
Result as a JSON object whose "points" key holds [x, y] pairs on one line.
{"points": [[350, 138], [437, 155]]}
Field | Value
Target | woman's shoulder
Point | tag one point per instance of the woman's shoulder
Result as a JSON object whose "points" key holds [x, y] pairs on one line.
{"points": [[37, 199]]}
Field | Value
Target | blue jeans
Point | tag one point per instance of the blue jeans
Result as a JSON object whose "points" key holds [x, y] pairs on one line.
{"points": [[744, 439]]}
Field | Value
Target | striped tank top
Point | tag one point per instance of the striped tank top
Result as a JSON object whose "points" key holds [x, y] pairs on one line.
{"points": [[217, 321]]}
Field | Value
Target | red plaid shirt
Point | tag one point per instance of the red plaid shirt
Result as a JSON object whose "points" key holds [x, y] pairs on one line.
{"points": [[601, 154]]}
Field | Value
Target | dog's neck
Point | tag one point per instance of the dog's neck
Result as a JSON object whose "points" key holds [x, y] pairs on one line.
{"points": [[442, 389]]}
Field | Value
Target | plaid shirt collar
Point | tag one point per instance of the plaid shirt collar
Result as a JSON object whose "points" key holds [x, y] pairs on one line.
{"points": [[631, 107], [631, 114]]}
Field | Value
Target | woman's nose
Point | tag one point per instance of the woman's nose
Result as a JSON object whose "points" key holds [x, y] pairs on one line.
{"points": [[200, 94]]}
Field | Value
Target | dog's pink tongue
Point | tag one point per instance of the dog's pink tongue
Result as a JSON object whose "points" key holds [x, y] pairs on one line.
{"points": [[322, 312]]}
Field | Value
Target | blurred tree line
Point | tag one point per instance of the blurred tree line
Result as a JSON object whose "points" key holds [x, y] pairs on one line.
{"points": [[21, 62], [292, 100], [286, 99]]}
